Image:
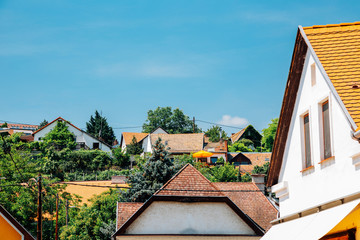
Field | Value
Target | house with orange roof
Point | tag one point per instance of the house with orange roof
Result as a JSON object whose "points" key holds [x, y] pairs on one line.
{"points": [[246, 161], [189, 206], [26, 130], [11, 229], [315, 163], [83, 139]]}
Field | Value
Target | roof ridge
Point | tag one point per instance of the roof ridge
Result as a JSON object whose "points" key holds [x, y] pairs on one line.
{"points": [[332, 25]]}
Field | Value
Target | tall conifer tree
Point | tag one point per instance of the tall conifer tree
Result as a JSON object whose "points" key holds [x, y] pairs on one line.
{"points": [[99, 127]]}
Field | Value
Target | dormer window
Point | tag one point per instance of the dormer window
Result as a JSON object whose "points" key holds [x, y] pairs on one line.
{"points": [[326, 143], [307, 142]]}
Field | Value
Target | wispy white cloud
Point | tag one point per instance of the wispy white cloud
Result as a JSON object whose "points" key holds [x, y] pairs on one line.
{"points": [[233, 121]]}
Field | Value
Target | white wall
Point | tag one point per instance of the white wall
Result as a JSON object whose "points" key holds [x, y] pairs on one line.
{"points": [[80, 136], [189, 218], [331, 179]]}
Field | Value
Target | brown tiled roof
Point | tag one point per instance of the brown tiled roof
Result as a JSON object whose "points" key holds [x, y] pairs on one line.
{"points": [[257, 159], [220, 146], [125, 211], [190, 182], [237, 136], [337, 47], [128, 137], [183, 142], [253, 203]]}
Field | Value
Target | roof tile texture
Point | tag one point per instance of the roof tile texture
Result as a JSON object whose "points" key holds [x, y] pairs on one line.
{"points": [[183, 142], [191, 183], [253, 203], [257, 159], [125, 211], [128, 137], [338, 49]]}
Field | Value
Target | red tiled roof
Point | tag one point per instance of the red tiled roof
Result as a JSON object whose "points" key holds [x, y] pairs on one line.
{"points": [[21, 126], [125, 211], [190, 182], [237, 136], [253, 203], [180, 142]]}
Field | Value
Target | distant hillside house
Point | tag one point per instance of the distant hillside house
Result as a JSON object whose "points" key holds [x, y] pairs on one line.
{"points": [[25, 129], [250, 133], [189, 206], [219, 150], [83, 139]]}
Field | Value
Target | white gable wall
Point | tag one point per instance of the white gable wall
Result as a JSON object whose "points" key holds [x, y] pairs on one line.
{"points": [[189, 218], [326, 181], [80, 136]]}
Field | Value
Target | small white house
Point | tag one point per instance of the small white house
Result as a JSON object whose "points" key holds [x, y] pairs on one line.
{"points": [[83, 139], [315, 164]]}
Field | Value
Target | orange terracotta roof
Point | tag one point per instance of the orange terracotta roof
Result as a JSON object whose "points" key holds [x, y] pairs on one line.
{"points": [[125, 210], [338, 48], [257, 159], [21, 126], [128, 137], [253, 203], [189, 180]]}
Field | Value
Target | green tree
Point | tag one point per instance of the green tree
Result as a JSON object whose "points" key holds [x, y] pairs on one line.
{"points": [[121, 159], [134, 148], [239, 147], [43, 124], [224, 173], [156, 171], [172, 121], [99, 127], [269, 135], [215, 133], [96, 221], [59, 137]]}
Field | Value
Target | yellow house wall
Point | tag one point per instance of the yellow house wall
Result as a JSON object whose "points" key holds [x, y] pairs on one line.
{"points": [[349, 222], [7, 231]]}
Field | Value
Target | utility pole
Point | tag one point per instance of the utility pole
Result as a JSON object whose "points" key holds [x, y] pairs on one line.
{"points": [[39, 210], [57, 216], [193, 124], [67, 211]]}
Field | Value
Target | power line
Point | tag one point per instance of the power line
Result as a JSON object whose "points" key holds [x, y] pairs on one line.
{"points": [[218, 124]]}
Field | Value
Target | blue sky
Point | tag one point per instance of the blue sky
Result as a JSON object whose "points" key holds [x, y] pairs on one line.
{"points": [[220, 61]]}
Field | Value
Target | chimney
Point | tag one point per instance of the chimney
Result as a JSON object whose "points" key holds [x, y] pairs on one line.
{"points": [[259, 180]]}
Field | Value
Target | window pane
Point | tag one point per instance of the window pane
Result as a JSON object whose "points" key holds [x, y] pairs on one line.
{"points": [[326, 130], [307, 141]]}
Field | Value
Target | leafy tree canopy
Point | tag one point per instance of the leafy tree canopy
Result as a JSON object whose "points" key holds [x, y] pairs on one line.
{"points": [[59, 137], [172, 121], [269, 135], [239, 147], [215, 133], [225, 173], [99, 127]]}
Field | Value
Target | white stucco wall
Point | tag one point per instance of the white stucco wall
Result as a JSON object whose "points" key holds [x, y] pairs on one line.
{"points": [[326, 181], [80, 136], [146, 145], [189, 218]]}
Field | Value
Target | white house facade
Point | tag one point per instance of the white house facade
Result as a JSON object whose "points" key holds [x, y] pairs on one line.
{"points": [[83, 139], [315, 165]]}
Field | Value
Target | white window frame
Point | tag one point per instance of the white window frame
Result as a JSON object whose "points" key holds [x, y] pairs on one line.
{"points": [[302, 134]]}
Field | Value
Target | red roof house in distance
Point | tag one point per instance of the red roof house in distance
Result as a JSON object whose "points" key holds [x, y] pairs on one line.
{"points": [[189, 206]]}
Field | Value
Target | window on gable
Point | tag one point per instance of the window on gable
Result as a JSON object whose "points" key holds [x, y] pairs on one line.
{"points": [[326, 130], [313, 74], [306, 122], [95, 145]]}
